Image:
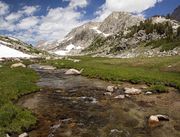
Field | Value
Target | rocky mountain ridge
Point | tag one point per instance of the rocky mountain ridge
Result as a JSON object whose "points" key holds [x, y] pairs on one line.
{"points": [[81, 37], [121, 34]]}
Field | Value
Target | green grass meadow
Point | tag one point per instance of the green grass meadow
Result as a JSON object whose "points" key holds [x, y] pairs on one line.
{"points": [[157, 70], [13, 84]]}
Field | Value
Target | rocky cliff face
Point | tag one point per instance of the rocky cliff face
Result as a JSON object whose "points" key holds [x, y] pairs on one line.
{"points": [[176, 14], [81, 37], [119, 21]]}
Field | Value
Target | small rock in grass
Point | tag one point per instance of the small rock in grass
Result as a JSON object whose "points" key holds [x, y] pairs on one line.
{"points": [[24, 135], [17, 59], [18, 65], [73, 72], [7, 135], [76, 60]]}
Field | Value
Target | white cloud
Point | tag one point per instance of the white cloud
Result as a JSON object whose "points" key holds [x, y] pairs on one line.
{"points": [[58, 22], [77, 3], [15, 21], [13, 17], [30, 10], [135, 6], [52, 26], [4, 8], [5, 25], [28, 22]]}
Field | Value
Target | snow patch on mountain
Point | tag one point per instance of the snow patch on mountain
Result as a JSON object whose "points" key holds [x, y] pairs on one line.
{"points": [[6, 52], [100, 32], [67, 50]]}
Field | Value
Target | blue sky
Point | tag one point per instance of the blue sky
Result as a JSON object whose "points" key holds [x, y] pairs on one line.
{"points": [[34, 20]]}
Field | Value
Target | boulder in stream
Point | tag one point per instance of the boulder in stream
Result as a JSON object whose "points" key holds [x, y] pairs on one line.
{"points": [[132, 91], [120, 97], [73, 72], [110, 88], [154, 120], [108, 94], [46, 67]]}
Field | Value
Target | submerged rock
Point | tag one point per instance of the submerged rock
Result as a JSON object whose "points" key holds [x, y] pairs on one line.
{"points": [[108, 93], [110, 88], [48, 58], [154, 120], [18, 65], [43, 67], [120, 97], [48, 67], [132, 91], [119, 133], [73, 72], [148, 93]]}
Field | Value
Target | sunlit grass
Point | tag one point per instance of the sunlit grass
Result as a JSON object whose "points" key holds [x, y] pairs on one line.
{"points": [[162, 70], [13, 84]]}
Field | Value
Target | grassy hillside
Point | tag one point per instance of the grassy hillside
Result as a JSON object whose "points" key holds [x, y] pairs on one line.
{"points": [[13, 84], [164, 71]]}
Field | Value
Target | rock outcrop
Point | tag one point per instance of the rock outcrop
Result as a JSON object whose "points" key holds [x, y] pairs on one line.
{"points": [[154, 120], [18, 65], [176, 14], [73, 72], [119, 21]]}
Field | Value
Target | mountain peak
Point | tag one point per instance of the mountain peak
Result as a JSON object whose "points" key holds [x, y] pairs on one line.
{"points": [[117, 21]]}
